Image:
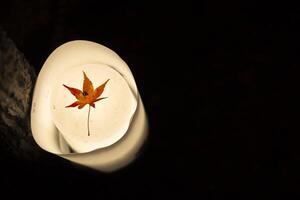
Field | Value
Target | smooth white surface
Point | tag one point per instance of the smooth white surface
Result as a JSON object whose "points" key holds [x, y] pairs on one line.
{"points": [[118, 124], [110, 118]]}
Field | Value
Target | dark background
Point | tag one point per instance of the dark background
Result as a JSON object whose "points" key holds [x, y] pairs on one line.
{"points": [[219, 81]]}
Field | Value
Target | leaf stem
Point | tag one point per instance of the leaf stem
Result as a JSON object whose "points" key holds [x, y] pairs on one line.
{"points": [[88, 121]]}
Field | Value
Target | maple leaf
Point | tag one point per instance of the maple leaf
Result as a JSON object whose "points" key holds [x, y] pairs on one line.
{"points": [[88, 95]]}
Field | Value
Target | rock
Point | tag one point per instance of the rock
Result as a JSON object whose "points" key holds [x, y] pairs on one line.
{"points": [[17, 80]]}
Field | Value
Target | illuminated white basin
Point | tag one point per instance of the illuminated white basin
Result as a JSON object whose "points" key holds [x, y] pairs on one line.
{"points": [[117, 124]]}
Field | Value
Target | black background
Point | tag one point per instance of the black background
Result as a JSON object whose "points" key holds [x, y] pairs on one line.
{"points": [[219, 81]]}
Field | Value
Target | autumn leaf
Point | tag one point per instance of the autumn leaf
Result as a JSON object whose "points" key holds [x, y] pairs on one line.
{"points": [[88, 95]]}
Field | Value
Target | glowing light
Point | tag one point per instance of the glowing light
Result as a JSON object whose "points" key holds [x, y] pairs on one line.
{"points": [[118, 125]]}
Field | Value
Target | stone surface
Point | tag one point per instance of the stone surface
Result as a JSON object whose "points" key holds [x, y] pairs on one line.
{"points": [[17, 79]]}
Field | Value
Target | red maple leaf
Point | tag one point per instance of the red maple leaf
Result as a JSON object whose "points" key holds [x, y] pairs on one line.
{"points": [[88, 95]]}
